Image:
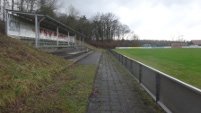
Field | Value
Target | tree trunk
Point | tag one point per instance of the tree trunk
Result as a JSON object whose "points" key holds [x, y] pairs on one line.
{"points": [[12, 4]]}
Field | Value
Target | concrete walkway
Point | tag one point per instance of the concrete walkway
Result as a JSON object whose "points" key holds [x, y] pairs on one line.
{"points": [[115, 91]]}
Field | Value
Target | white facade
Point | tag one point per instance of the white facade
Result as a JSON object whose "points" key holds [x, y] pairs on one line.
{"points": [[15, 27]]}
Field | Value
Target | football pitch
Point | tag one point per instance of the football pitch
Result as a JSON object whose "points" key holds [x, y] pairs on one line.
{"points": [[181, 63]]}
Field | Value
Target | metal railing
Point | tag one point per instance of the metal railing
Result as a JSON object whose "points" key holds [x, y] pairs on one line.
{"points": [[173, 95]]}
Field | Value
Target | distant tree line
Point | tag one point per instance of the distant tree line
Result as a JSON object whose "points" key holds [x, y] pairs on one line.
{"points": [[101, 27]]}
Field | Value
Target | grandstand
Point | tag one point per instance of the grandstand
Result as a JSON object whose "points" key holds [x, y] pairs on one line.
{"points": [[42, 31]]}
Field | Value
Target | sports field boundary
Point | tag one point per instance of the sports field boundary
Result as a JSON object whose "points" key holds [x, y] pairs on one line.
{"points": [[170, 93], [164, 47]]}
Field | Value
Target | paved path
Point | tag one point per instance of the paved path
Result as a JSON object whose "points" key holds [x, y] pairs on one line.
{"points": [[115, 91]]}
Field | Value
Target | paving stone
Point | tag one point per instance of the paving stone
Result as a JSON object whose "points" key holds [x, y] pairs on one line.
{"points": [[93, 111], [105, 108], [114, 100], [106, 112], [105, 99], [130, 111], [116, 107], [94, 106], [114, 95]]}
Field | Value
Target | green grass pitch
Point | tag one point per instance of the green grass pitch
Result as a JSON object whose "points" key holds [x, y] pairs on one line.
{"points": [[181, 63]]}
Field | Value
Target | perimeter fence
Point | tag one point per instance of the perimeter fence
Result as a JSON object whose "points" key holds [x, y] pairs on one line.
{"points": [[173, 95]]}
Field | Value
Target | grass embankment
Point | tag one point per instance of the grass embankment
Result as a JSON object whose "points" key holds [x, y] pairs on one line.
{"points": [[68, 93], [33, 81], [184, 64], [89, 46]]}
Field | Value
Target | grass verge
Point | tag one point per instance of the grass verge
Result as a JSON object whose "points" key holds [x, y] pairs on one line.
{"points": [[68, 93]]}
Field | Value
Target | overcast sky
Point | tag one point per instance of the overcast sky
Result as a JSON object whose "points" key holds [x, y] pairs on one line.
{"points": [[149, 19]]}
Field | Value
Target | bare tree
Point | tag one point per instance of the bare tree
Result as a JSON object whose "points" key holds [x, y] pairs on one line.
{"points": [[135, 37], [107, 26], [41, 6], [12, 4], [97, 30], [21, 5], [4, 5], [71, 11], [48, 7], [32, 4], [123, 30], [0, 9]]}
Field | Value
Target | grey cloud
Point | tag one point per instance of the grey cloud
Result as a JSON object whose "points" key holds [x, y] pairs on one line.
{"points": [[169, 3], [178, 12]]}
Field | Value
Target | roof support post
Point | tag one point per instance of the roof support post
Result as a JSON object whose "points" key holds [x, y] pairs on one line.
{"points": [[39, 30], [57, 36], [68, 39], [83, 42], [75, 42], [36, 31], [80, 38], [6, 22]]}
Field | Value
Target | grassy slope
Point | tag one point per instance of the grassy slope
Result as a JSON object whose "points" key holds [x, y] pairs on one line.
{"points": [[89, 46], [183, 64], [67, 94], [26, 75]]}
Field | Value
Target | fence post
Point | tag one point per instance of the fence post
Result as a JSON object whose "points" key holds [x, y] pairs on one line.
{"points": [[131, 66], [140, 73], [157, 87], [125, 62], [122, 59], [119, 57]]}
